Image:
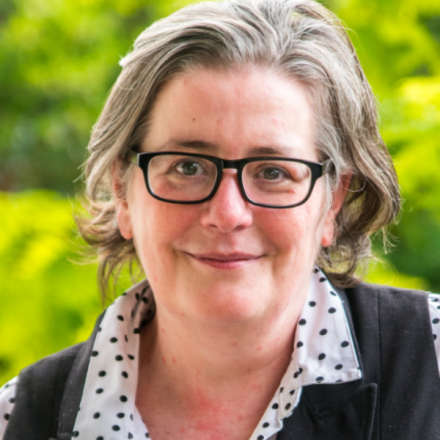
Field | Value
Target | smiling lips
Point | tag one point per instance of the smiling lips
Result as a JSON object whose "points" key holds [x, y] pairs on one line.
{"points": [[225, 261]]}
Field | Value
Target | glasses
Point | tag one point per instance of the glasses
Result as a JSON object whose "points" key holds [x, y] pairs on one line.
{"points": [[269, 182]]}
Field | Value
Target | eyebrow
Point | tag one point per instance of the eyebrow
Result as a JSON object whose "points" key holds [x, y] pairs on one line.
{"points": [[281, 150], [195, 144]]}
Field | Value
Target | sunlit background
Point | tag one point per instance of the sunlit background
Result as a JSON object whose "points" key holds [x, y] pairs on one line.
{"points": [[58, 60]]}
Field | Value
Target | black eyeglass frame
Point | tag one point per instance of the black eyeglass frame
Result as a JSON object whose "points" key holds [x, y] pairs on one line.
{"points": [[317, 170]]}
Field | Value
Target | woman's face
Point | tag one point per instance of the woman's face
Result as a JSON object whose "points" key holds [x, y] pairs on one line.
{"points": [[225, 260]]}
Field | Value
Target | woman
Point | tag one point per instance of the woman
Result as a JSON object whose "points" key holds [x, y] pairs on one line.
{"points": [[238, 159]]}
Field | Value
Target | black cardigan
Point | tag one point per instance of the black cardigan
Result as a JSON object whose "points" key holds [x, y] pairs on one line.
{"points": [[398, 397]]}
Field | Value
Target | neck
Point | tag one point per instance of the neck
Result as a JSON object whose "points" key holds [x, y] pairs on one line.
{"points": [[218, 353], [226, 373]]}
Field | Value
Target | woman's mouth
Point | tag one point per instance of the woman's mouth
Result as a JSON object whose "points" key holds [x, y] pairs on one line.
{"points": [[225, 261]]}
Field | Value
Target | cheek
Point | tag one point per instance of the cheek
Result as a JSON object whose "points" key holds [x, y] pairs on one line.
{"points": [[158, 227], [291, 230]]}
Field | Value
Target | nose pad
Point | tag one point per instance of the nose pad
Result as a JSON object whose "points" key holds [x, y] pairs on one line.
{"points": [[227, 210]]}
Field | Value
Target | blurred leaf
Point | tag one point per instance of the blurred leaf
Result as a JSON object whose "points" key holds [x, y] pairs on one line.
{"points": [[46, 300]]}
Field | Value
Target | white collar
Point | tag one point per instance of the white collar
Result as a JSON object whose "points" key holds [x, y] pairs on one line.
{"points": [[108, 410]]}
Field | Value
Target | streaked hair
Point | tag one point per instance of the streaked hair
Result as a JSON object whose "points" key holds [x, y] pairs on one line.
{"points": [[302, 40]]}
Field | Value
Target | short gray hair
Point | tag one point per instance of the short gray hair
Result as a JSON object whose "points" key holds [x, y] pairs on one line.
{"points": [[298, 38]]}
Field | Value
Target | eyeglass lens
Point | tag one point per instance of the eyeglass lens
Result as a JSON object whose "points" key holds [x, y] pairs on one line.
{"points": [[187, 179]]}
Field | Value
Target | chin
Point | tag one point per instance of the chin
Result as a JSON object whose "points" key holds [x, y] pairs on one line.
{"points": [[229, 305]]}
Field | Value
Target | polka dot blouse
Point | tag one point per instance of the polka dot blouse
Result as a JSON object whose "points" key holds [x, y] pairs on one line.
{"points": [[323, 353]]}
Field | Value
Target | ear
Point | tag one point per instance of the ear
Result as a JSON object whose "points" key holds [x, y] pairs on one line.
{"points": [[123, 216], [338, 198]]}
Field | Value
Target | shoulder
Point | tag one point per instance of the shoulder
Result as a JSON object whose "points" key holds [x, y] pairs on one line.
{"points": [[394, 328], [34, 404], [44, 373], [36, 390], [387, 305], [388, 308], [45, 387], [378, 292]]}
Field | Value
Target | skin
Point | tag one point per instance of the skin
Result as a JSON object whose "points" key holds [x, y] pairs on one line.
{"points": [[229, 278]]}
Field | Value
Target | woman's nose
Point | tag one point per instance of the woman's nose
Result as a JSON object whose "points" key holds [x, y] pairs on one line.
{"points": [[227, 211]]}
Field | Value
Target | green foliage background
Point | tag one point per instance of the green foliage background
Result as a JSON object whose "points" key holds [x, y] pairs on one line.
{"points": [[59, 58]]}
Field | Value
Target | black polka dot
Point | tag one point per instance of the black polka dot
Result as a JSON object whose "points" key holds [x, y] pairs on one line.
{"points": [[338, 367], [299, 344], [435, 320], [322, 279], [6, 416], [302, 322], [75, 434], [131, 416], [130, 357], [315, 270], [321, 356], [435, 337], [102, 373], [99, 391], [116, 428], [12, 400], [323, 332], [119, 358], [145, 300], [275, 406], [319, 379], [332, 293], [265, 425], [120, 415], [136, 331], [260, 437], [300, 370], [100, 329], [96, 415], [126, 339], [296, 374], [124, 374], [100, 438], [113, 340], [435, 300], [312, 303], [344, 344], [130, 435], [95, 353], [147, 435], [137, 296], [331, 310], [292, 392], [123, 398], [438, 307], [281, 389], [339, 381], [288, 406], [120, 317]]}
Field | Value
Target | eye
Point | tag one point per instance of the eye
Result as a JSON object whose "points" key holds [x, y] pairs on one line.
{"points": [[189, 168], [272, 173]]}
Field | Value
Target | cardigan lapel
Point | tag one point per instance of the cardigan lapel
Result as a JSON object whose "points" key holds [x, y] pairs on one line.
{"points": [[343, 411], [74, 386], [332, 412]]}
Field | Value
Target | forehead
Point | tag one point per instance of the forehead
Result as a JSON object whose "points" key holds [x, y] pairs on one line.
{"points": [[233, 114]]}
